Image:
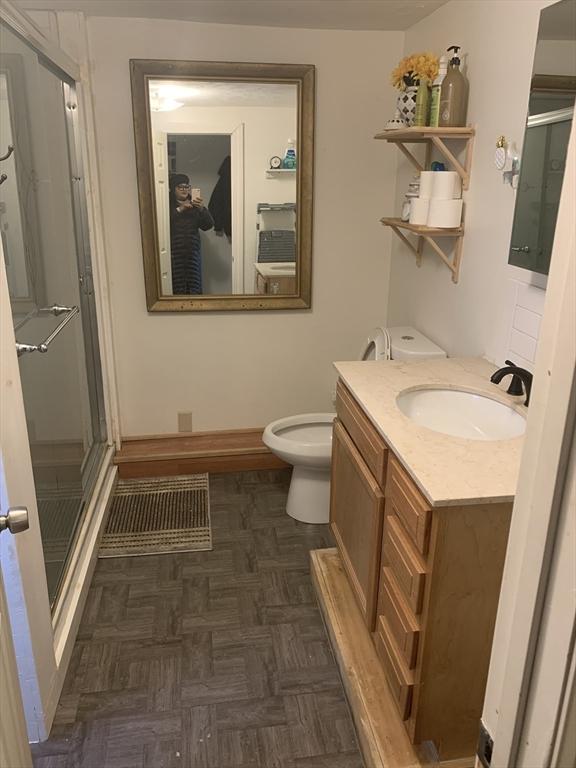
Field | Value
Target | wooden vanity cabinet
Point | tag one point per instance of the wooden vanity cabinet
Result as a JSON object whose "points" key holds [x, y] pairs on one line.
{"points": [[435, 579], [275, 286]]}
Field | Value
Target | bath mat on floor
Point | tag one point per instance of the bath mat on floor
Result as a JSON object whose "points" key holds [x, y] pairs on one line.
{"points": [[158, 515]]}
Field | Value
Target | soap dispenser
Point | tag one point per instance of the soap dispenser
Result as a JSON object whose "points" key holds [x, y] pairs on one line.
{"points": [[453, 94]]}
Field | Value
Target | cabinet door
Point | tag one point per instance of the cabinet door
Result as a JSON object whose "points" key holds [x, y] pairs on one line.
{"points": [[356, 517]]}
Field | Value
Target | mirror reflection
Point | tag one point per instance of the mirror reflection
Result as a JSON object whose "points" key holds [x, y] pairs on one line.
{"points": [[225, 158], [551, 110]]}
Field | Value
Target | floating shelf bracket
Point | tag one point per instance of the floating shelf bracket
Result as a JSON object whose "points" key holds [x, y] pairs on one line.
{"points": [[462, 170], [428, 235], [433, 137]]}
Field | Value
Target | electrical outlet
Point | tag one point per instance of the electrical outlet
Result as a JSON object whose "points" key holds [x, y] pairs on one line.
{"points": [[185, 421], [485, 746]]}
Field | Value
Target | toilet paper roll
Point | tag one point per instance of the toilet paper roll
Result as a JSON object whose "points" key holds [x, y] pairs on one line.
{"points": [[419, 210], [444, 214], [446, 185], [427, 183]]}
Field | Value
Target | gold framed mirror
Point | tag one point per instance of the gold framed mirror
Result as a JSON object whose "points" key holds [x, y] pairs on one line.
{"points": [[225, 158]]}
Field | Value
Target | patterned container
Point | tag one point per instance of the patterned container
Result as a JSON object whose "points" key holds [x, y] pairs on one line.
{"points": [[406, 104]]}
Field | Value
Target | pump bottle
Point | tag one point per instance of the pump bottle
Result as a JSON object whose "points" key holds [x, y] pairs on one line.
{"points": [[436, 88], [453, 94]]}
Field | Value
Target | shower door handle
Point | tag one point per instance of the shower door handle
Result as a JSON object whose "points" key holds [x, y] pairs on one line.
{"points": [[43, 346], [16, 520]]}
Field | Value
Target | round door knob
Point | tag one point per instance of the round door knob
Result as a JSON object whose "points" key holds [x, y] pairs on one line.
{"points": [[16, 520]]}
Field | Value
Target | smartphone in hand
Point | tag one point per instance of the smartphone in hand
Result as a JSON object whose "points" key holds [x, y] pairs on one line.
{"points": [[195, 193]]}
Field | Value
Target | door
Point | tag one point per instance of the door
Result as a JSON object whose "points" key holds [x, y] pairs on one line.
{"points": [[160, 151], [21, 559], [356, 518], [14, 749], [46, 254]]}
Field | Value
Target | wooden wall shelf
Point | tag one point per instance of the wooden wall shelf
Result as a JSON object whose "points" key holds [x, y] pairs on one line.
{"points": [[428, 235], [279, 172], [433, 138]]}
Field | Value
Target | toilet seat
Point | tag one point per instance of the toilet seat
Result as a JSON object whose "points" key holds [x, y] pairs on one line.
{"points": [[304, 439], [377, 345]]}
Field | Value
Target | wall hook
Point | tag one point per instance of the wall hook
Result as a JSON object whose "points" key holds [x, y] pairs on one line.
{"points": [[7, 155]]}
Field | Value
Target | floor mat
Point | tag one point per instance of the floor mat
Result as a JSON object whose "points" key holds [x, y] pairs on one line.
{"points": [[158, 515]]}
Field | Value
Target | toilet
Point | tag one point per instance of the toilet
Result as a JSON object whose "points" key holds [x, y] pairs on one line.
{"points": [[305, 440]]}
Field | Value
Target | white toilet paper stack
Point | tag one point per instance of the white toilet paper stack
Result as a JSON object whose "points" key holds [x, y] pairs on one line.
{"points": [[439, 204]]}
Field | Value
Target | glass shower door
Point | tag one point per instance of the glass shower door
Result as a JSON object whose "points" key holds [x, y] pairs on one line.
{"points": [[43, 231]]}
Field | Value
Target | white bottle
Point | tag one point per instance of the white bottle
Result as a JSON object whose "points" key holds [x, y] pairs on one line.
{"points": [[436, 88]]}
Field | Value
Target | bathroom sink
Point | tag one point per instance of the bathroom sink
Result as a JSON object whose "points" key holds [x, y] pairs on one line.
{"points": [[461, 414]]}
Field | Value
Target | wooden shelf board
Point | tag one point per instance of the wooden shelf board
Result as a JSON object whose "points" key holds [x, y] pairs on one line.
{"points": [[421, 230], [383, 738], [419, 134]]}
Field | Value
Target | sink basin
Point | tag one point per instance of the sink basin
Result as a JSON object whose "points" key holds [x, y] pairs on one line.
{"points": [[461, 414]]}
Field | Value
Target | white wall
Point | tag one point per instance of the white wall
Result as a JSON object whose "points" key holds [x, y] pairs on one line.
{"points": [[244, 369], [475, 316]]}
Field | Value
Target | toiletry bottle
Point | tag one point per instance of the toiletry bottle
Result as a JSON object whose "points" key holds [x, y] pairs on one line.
{"points": [[453, 94], [290, 155], [435, 95], [422, 102]]}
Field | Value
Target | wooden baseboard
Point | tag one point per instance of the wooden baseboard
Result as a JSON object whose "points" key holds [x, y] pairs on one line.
{"points": [[237, 450], [382, 736]]}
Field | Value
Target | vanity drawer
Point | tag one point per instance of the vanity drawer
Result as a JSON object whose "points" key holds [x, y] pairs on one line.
{"points": [[409, 504], [402, 623], [400, 679], [404, 561], [363, 433]]}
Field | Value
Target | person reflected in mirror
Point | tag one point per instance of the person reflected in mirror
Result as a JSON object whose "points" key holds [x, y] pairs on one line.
{"points": [[187, 217]]}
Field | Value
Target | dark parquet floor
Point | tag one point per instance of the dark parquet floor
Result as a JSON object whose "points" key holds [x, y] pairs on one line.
{"points": [[210, 659]]}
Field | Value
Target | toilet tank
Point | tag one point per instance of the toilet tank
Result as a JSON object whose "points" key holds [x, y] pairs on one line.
{"points": [[409, 344]]}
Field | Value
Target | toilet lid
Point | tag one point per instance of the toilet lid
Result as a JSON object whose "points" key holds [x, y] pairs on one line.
{"points": [[376, 346]]}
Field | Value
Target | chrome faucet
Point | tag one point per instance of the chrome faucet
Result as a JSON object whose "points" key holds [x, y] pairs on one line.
{"points": [[521, 380]]}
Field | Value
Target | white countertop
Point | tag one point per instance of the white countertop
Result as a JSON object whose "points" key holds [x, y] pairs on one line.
{"points": [[276, 268], [448, 470]]}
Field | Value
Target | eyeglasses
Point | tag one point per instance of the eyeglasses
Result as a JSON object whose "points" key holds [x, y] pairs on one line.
{"points": [[183, 186]]}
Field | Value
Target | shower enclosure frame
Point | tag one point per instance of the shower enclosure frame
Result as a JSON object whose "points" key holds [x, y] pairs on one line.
{"points": [[50, 642]]}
